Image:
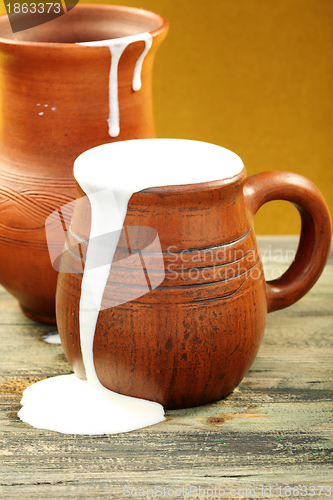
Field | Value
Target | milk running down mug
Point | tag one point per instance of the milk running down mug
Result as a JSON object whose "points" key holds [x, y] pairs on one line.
{"points": [[183, 333]]}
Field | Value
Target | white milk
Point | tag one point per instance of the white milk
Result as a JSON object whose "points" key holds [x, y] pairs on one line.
{"points": [[117, 47], [52, 338], [109, 175]]}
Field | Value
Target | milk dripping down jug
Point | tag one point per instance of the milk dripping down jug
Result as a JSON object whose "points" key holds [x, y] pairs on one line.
{"points": [[179, 316], [80, 80]]}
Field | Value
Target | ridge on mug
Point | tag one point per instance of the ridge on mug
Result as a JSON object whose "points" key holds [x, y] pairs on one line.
{"points": [[179, 317], [80, 80]]}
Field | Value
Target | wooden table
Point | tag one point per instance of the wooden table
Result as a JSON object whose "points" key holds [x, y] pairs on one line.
{"points": [[275, 431]]}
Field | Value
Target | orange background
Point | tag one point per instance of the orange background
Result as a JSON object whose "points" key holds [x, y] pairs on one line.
{"points": [[254, 76]]}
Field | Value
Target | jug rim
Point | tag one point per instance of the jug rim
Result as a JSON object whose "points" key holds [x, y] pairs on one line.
{"points": [[162, 26]]}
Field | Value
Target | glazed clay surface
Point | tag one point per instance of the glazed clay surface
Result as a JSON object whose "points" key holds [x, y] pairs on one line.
{"points": [[55, 105], [190, 340]]}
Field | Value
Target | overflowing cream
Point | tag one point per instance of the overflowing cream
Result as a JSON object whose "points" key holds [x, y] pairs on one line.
{"points": [[109, 175], [117, 47]]}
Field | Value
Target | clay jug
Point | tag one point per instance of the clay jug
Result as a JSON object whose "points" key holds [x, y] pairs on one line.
{"points": [[59, 98], [185, 333]]}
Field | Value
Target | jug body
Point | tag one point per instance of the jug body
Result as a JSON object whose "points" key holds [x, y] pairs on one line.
{"points": [[57, 100]]}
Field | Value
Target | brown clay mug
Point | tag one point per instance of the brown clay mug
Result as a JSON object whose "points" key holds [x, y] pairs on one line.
{"points": [[55, 104], [192, 338]]}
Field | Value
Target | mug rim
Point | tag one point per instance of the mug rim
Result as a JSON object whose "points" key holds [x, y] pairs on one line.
{"points": [[182, 189], [195, 187], [163, 26]]}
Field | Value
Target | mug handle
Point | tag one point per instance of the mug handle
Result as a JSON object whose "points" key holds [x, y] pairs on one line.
{"points": [[315, 240]]}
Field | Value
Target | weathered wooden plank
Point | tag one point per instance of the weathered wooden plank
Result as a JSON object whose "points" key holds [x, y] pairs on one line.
{"points": [[275, 430]]}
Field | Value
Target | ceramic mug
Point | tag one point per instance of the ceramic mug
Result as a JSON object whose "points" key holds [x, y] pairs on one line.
{"points": [[191, 339], [59, 98]]}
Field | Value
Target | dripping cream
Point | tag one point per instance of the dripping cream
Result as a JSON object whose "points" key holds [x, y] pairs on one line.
{"points": [[117, 47]]}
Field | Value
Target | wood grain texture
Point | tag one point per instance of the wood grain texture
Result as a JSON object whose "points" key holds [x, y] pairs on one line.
{"points": [[275, 429]]}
